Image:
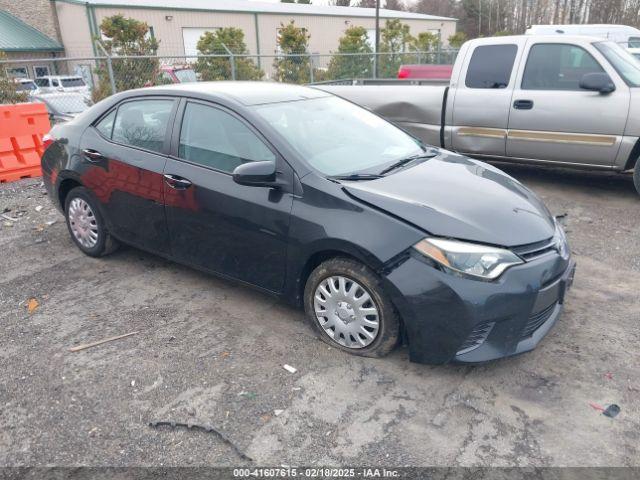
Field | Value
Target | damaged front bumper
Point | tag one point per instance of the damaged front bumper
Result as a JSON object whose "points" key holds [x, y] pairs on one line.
{"points": [[454, 319]]}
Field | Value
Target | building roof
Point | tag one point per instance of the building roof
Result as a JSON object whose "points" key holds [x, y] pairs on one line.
{"points": [[258, 7], [17, 36]]}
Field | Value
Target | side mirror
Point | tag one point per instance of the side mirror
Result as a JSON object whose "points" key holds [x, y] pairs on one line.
{"points": [[256, 174], [597, 82]]}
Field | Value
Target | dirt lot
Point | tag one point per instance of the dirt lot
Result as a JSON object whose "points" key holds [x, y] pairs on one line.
{"points": [[210, 352]]}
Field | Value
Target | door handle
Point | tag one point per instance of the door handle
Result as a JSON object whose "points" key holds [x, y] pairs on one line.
{"points": [[92, 155], [523, 104], [174, 181]]}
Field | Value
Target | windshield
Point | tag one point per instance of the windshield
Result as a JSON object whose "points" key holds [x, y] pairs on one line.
{"points": [[337, 137], [23, 86], [624, 63], [186, 75], [72, 82]]}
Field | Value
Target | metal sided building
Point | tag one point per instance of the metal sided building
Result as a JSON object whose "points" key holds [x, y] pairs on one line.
{"points": [[178, 24]]}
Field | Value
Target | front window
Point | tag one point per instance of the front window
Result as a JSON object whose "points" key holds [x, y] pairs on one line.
{"points": [[557, 66], [216, 139], [337, 137], [624, 63]]}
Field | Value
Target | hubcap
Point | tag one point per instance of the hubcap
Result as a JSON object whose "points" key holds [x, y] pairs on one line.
{"points": [[346, 312], [83, 223]]}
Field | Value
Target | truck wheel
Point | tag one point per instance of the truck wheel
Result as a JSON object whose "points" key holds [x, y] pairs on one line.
{"points": [[345, 303], [636, 177]]}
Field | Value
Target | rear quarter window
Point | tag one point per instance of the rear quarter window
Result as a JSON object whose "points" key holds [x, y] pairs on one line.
{"points": [[491, 66]]}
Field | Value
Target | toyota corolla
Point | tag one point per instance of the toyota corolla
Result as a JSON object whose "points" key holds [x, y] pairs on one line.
{"points": [[322, 203]]}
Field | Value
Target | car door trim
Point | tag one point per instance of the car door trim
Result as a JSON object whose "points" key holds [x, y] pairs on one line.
{"points": [[482, 132], [564, 138], [540, 136]]}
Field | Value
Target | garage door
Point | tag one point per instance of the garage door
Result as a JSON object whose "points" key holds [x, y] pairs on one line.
{"points": [[190, 37]]}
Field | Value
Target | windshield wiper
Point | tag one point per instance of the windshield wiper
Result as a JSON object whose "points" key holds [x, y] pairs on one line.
{"points": [[354, 177], [404, 161]]}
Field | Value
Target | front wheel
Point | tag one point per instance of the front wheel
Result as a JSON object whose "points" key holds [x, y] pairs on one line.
{"points": [[345, 303], [636, 176]]}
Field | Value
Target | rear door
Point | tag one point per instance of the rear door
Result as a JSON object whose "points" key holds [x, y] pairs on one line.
{"points": [[482, 98], [553, 119], [124, 154], [214, 223]]}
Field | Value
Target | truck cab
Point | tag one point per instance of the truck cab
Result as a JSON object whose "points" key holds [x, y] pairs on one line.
{"points": [[529, 97]]}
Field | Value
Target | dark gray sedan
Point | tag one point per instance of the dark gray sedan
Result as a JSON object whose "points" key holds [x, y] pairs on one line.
{"points": [[315, 200]]}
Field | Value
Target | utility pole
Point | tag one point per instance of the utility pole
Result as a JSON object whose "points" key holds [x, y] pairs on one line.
{"points": [[479, 18], [377, 50]]}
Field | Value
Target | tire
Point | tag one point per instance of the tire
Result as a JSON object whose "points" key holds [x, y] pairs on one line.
{"points": [[636, 177], [341, 317], [86, 224]]}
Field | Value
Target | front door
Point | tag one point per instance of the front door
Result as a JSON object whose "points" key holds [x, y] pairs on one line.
{"points": [[123, 158], [552, 119], [214, 223]]}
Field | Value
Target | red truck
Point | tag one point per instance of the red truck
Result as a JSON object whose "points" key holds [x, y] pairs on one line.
{"points": [[425, 72]]}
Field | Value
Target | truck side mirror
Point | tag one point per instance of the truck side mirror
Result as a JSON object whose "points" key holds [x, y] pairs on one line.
{"points": [[597, 82]]}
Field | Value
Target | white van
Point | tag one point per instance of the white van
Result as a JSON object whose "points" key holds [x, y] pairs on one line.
{"points": [[628, 37], [63, 83]]}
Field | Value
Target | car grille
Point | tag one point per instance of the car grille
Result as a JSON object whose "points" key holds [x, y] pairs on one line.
{"points": [[477, 337], [535, 250], [537, 320]]}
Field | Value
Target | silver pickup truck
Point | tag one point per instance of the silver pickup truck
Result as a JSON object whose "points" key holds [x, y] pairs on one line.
{"points": [[570, 101]]}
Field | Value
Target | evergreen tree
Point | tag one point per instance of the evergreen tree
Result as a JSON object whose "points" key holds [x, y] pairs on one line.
{"points": [[219, 68], [354, 41], [395, 42], [8, 88], [126, 36], [293, 66]]}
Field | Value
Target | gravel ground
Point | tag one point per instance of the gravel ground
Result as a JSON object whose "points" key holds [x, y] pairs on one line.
{"points": [[212, 353]]}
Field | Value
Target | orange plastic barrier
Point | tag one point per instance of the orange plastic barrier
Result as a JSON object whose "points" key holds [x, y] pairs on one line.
{"points": [[21, 129]]}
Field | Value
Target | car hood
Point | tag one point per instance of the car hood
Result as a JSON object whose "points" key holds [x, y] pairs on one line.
{"points": [[457, 197]]}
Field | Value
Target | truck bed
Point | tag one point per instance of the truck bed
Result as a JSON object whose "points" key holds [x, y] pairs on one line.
{"points": [[416, 108]]}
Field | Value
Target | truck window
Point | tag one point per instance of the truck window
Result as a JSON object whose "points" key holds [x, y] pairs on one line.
{"points": [[557, 67], [491, 66]]}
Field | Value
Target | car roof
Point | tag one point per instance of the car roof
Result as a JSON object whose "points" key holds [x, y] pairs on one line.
{"points": [[246, 93], [539, 38], [60, 76]]}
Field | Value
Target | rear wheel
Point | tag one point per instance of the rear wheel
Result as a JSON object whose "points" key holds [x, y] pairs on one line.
{"points": [[345, 303], [636, 177], [86, 225]]}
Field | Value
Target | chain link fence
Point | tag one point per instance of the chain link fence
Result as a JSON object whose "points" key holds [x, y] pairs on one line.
{"points": [[69, 85]]}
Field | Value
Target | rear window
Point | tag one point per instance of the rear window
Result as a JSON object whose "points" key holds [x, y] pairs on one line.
{"points": [[491, 66], [143, 123], [42, 82], [72, 82]]}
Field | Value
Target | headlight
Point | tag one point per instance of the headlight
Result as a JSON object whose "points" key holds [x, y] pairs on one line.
{"points": [[483, 262], [560, 238]]}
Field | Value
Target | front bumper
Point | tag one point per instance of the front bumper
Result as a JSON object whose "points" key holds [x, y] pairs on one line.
{"points": [[453, 319]]}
